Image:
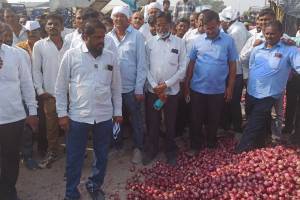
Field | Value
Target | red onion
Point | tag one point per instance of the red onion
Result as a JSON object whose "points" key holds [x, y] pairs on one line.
{"points": [[268, 173]]}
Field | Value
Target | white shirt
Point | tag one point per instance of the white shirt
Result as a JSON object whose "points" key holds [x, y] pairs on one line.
{"points": [[75, 40], [166, 61], [46, 59], [93, 84], [189, 38], [253, 31], [298, 34], [66, 31], [15, 85], [145, 30], [240, 35], [21, 37]]}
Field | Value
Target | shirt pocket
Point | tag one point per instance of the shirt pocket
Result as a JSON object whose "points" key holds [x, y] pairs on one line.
{"points": [[274, 62], [173, 58], [104, 76]]}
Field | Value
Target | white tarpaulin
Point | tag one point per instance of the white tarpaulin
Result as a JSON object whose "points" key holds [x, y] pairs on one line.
{"points": [[55, 4]]}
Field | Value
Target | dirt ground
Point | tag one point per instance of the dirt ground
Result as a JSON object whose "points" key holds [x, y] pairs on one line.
{"points": [[49, 184]]}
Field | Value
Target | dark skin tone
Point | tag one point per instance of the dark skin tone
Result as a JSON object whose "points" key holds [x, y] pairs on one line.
{"points": [[272, 35], [54, 28], [11, 18], [6, 36], [95, 45], [212, 31]]}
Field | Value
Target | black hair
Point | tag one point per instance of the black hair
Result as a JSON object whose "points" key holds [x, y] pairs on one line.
{"points": [[276, 24], [167, 17], [183, 20], [55, 16], [195, 14], [88, 13], [267, 11], [152, 20], [91, 26], [210, 15], [166, 2]]}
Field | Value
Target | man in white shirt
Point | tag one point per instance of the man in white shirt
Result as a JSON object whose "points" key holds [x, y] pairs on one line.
{"points": [[131, 60], [137, 20], [164, 76], [232, 110], [16, 85], [257, 28], [27, 143], [19, 32], [46, 57], [91, 76], [76, 34]]}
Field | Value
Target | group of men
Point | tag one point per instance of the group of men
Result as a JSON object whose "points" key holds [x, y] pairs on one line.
{"points": [[85, 81]]}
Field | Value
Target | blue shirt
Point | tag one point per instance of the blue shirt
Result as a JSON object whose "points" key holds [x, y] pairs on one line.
{"points": [[131, 60], [211, 67], [269, 69]]}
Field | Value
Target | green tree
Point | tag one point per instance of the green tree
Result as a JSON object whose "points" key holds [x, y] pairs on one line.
{"points": [[217, 5]]}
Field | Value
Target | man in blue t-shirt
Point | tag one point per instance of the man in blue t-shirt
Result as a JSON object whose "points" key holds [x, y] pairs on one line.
{"points": [[270, 65], [210, 77]]}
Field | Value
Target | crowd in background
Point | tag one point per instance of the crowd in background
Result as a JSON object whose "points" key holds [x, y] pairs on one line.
{"points": [[162, 73]]}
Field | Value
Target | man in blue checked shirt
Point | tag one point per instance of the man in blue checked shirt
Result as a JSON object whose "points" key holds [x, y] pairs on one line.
{"points": [[210, 77], [270, 66], [132, 62]]}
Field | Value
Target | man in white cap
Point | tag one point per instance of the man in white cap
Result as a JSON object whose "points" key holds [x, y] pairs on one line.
{"points": [[132, 63], [239, 33], [34, 34], [152, 9]]}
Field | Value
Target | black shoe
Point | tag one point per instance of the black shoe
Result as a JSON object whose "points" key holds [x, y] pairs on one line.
{"points": [[97, 195]]}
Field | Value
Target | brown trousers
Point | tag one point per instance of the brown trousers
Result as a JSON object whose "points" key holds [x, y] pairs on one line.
{"points": [[51, 125]]}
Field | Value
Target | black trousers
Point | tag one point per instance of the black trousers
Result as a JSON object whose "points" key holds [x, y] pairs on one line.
{"points": [[10, 142], [205, 108], [154, 120], [232, 112], [292, 115], [258, 122]]}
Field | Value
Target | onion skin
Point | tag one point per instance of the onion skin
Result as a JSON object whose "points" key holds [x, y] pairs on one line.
{"points": [[267, 173]]}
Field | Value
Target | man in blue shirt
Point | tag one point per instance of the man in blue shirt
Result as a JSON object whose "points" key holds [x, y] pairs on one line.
{"points": [[132, 62], [270, 65], [210, 76]]}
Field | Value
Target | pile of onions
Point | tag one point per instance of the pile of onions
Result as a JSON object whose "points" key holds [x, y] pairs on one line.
{"points": [[268, 173]]}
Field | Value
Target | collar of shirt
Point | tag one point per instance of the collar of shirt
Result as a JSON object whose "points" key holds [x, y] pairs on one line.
{"points": [[128, 30], [264, 46], [219, 36]]}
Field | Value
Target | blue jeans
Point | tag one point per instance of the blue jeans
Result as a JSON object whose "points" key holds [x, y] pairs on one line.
{"points": [[134, 109], [76, 145], [258, 116]]}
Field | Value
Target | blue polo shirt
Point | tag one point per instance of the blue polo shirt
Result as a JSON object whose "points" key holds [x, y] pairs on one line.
{"points": [[211, 67], [269, 69]]}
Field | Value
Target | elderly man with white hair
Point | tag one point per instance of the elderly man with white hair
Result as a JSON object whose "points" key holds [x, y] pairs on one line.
{"points": [[239, 33], [152, 9], [132, 63]]}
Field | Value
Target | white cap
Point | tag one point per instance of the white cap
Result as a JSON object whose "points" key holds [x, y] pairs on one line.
{"points": [[156, 5], [121, 9], [229, 14], [32, 25]]}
